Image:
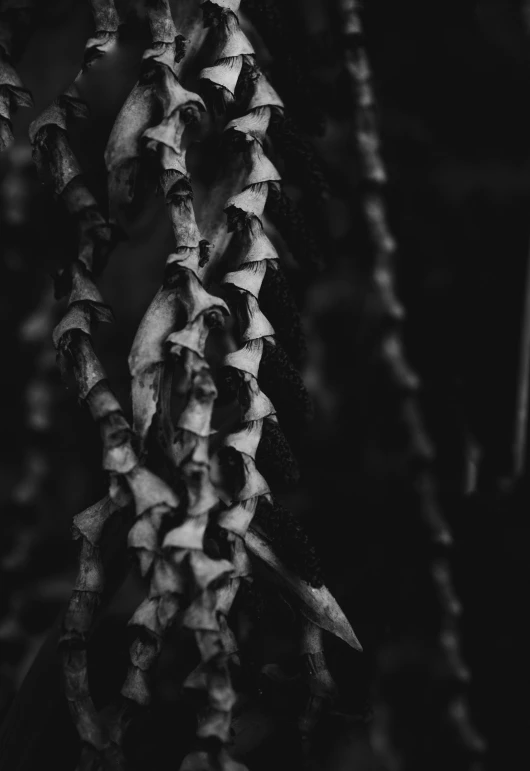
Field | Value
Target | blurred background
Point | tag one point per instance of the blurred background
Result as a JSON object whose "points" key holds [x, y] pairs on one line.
{"points": [[453, 87]]}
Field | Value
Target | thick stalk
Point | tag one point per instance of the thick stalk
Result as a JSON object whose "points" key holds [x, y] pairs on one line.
{"points": [[393, 734]]}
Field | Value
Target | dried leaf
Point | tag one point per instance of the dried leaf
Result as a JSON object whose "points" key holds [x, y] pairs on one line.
{"points": [[201, 615], [146, 615], [156, 325], [247, 439], [256, 323], [123, 149], [254, 403], [189, 535], [224, 75], [206, 570], [136, 687], [247, 358], [261, 168], [90, 575], [317, 605], [237, 518], [249, 203], [145, 391], [166, 579], [248, 277], [149, 491], [264, 95], [90, 522]]}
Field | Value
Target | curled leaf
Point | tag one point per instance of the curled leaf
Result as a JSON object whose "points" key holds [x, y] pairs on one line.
{"points": [[317, 605], [122, 154], [106, 22], [236, 519], [90, 522], [189, 535], [149, 490], [246, 359]]}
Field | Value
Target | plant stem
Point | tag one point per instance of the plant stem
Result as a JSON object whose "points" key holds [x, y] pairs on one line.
{"points": [[523, 385]]}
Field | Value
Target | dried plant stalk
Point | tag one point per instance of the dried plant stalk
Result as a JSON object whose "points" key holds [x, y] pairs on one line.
{"points": [[520, 443], [255, 252], [181, 575], [72, 339], [436, 537], [156, 86], [174, 506]]}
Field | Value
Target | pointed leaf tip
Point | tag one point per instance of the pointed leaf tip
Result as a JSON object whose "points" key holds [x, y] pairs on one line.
{"points": [[317, 605]]}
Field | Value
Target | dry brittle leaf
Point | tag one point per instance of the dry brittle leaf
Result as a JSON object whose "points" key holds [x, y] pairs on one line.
{"points": [[317, 605]]}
